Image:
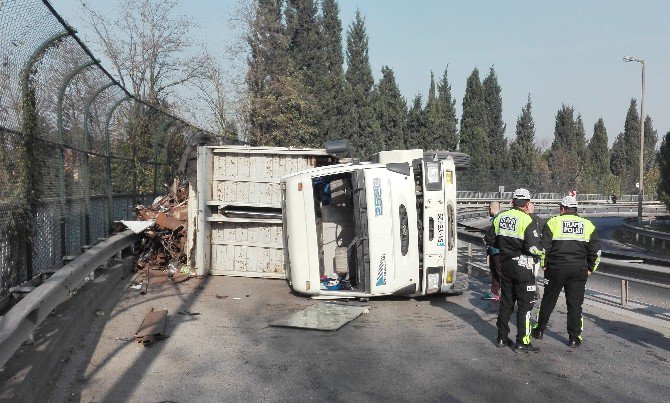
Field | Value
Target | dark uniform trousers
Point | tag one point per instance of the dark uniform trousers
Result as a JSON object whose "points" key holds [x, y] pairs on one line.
{"points": [[496, 273], [517, 285], [573, 280]]}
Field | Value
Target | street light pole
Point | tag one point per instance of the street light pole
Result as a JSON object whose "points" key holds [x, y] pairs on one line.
{"points": [[640, 194]]}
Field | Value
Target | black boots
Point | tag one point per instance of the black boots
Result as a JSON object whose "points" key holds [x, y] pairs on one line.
{"points": [[526, 348], [537, 333], [575, 342], [506, 342]]}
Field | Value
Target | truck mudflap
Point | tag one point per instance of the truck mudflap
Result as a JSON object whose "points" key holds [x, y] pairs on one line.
{"points": [[460, 284]]}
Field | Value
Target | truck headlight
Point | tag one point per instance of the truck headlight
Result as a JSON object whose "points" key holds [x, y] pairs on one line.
{"points": [[432, 172], [433, 282], [433, 177]]}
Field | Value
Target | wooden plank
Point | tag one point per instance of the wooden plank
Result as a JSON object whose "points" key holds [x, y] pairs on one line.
{"points": [[153, 324]]}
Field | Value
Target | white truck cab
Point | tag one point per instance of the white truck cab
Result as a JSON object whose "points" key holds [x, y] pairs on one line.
{"points": [[386, 227]]}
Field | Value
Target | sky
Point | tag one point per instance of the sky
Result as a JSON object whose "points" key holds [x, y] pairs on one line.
{"points": [[560, 52]]}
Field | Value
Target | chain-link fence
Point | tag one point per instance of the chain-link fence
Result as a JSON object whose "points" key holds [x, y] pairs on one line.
{"points": [[77, 151]]}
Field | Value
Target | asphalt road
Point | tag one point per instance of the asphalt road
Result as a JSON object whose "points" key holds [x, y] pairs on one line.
{"points": [[428, 349]]}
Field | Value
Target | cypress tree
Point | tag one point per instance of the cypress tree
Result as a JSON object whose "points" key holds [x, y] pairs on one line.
{"points": [[579, 142], [522, 153], [650, 140], [618, 156], [364, 127], [473, 138], [567, 150], [391, 112], [333, 102], [564, 129], [495, 127], [432, 119], [626, 150], [415, 124], [663, 187], [448, 139], [599, 156], [305, 45], [631, 135], [280, 113]]}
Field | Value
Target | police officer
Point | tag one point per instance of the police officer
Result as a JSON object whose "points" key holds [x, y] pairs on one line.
{"points": [[572, 253], [494, 258], [515, 233]]}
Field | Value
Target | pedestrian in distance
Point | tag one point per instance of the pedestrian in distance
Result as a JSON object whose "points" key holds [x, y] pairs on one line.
{"points": [[515, 233], [494, 258], [572, 253]]}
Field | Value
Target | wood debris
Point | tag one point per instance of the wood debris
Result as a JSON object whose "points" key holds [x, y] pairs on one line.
{"points": [[152, 327]]}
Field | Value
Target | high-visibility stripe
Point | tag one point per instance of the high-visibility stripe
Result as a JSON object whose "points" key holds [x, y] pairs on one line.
{"points": [[597, 263], [526, 338]]}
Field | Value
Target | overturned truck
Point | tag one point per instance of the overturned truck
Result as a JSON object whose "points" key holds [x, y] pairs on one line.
{"points": [[383, 227]]}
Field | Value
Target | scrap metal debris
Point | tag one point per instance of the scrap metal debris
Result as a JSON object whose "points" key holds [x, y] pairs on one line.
{"points": [[162, 256], [152, 327]]}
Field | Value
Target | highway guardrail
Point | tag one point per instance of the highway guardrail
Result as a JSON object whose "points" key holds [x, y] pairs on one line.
{"points": [[23, 318], [646, 235], [474, 237]]}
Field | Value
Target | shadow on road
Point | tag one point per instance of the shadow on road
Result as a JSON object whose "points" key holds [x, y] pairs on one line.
{"points": [[634, 334]]}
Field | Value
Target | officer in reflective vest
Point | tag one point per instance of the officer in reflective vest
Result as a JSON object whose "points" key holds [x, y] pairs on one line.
{"points": [[515, 233], [572, 253]]}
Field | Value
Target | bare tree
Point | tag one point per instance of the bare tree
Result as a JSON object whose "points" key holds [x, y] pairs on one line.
{"points": [[148, 45]]}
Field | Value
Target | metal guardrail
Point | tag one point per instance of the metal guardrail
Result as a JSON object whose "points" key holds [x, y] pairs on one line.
{"points": [[19, 323], [581, 197], [478, 210], [649, 269], [647, 235]]}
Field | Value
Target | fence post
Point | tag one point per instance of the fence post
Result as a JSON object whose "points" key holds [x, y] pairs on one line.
{"points": [[624, 293], [29, 117], [84, 168], [108, 159], [87, 113], [164, 128]]}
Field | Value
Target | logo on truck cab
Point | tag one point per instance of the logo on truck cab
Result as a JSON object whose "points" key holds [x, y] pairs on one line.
{"points": [[377, 188], [381, 273], [440, 229]]}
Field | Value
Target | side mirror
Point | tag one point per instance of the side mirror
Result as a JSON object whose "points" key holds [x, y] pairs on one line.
{"points": [[337, 146]]}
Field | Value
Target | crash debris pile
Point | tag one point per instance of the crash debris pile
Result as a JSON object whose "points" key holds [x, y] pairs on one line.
{"points": [[162, 253]]}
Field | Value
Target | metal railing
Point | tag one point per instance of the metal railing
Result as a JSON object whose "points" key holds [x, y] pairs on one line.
{"points": [[17, 325], [476, 239], [653, 238]]}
